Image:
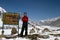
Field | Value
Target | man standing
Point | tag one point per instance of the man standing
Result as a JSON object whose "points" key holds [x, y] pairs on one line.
{"points": [[25, 24]]}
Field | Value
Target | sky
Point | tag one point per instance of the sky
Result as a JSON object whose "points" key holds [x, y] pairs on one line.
{"points": [[36, 9]]}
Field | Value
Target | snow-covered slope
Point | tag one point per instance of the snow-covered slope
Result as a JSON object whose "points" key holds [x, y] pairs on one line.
{"points": [[51, 22], [2, 10], [52, 19], [40, 30]]}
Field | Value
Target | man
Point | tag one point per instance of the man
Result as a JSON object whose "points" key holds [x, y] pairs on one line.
{"points": [[25, 24]]}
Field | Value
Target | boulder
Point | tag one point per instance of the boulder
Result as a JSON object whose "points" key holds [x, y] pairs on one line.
{"points": [[32, 31], [56, 39], [13, 31], [46, 30]]}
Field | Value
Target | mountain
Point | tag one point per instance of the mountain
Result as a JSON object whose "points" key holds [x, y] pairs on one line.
{"points": [[2, 10], [51, 22]]}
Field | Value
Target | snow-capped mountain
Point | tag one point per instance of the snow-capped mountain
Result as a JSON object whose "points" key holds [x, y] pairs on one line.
{"points": [[52, 19], [51, 22], [2, 10]]}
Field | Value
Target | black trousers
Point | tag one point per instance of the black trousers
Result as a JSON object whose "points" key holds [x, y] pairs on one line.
{"points": [[24, 27]]}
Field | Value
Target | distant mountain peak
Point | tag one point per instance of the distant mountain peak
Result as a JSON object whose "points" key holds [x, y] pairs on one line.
{"points": [[2, 10], [52, 19], [51, 22]]}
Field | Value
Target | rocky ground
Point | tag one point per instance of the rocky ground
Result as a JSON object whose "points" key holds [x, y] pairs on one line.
{"points": [[34, 33]]}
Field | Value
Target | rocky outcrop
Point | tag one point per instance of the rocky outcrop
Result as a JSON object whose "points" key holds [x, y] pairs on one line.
{"points": [[13, 31]]}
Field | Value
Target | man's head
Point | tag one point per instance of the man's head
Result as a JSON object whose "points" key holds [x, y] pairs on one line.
{"points": [[25, 13]]}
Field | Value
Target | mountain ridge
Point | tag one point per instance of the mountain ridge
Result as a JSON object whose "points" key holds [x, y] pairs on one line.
{"points": [[51, 22]]}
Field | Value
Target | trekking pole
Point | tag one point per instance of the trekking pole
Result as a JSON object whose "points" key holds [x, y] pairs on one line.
{"points": [[31, 25]]}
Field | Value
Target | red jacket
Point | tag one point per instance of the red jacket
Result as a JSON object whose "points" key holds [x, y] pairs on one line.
{"points": [[25, 19]]}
